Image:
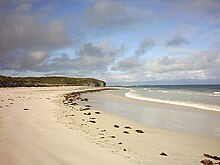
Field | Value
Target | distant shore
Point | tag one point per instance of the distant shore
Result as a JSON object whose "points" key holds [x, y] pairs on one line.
{"points": [[57, 125]]}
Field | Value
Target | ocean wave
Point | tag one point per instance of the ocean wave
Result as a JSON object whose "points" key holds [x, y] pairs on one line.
{"points": [[133, 95]]}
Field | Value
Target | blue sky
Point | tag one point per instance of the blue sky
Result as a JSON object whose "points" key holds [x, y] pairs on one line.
{"points": [[119, 41]]}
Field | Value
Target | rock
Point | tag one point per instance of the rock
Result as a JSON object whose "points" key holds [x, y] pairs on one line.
{"points": [[126, 132], [25, 109], [125, 149], [207, 162], [127, 127], [97, 112], [92, 121], [88, 106], [212, 157], [139, 131], [85, 109], [163, 154], [112, 136], [116, 126], [120, 143]]}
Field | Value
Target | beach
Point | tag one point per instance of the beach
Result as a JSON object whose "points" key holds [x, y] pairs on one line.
{"points": [[41, 126]]}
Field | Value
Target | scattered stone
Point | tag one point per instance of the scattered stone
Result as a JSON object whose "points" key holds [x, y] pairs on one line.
{"points": [[74, 104], [103, 130], [97, 112], [116, 126], [125, 149], [212, 157], [112, 136], [127, 127], [92, 121], [139, 131], [46, 98], [163, 154], [102, 137], [26, 109], [87, 113], [126, 132], [84, 109], [88, 106], [93, 118], [120, 143], [71, 115], [207, 162]]}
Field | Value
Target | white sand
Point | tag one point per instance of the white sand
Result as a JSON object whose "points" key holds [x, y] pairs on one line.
{"points": [[46, 134]]}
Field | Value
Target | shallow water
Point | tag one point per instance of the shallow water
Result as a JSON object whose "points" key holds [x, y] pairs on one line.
{"points": [[178, 118]]}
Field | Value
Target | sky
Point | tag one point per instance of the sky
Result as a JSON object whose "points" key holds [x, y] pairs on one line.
{"points": [[118, 41]]}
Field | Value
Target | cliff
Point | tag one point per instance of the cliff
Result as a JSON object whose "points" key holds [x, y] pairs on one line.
{"points": [[48, 81]]}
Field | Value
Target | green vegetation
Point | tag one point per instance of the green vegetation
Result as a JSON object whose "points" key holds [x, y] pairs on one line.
{"points": [[48, 81]]}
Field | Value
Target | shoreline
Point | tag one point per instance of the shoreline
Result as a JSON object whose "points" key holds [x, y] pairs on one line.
{"points": [[115, 144], [159, 114]]}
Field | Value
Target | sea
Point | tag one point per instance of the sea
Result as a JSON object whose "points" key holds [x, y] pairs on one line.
{"points": [[185, 108]]}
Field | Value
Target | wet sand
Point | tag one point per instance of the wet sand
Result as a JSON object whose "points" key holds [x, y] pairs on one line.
{"points": [[38, 126]]}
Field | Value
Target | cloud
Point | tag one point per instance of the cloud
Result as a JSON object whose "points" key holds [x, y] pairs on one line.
{"points": [[22, 36], [144, 46], [90, 59], [176, 41], [110, 16], [201, 65], [135, 61]]}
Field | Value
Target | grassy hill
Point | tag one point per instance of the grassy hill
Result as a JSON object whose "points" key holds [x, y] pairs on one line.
{"points": [[48, 81]]}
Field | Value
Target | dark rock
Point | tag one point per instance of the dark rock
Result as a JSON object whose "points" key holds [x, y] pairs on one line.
{"points": [[139, 131], [112, 136], [126, 132], [125, 149], [120, 143], [163, 154], [88, 106], [207, 162], [97, 112], [116, 126], [92, 121], [84, 109], [212, 157], [127, 127], [25, 109]]}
